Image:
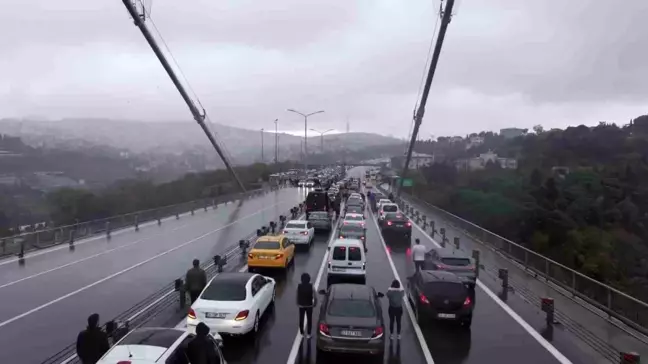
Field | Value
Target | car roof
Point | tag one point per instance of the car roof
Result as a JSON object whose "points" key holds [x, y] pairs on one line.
{"points": [[437, 275], [233, 277], [347, 242], [350, 291], [353, 214], [443, 253], [297, 222], [270, 238]]}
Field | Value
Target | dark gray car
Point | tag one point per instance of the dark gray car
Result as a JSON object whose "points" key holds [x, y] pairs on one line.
{"points": [[351, 321], [321, 220]]}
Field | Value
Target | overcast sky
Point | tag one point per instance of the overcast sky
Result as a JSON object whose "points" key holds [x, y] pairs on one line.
{"points": [[504, 62]]}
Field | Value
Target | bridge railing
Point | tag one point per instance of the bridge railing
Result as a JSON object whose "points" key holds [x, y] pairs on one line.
{"points": [[23, 243], [630, 310]]}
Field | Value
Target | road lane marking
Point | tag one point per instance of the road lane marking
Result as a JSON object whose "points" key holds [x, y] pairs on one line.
{"points": [[159, 255], [417, 329], [294, 350], [525, 325]]}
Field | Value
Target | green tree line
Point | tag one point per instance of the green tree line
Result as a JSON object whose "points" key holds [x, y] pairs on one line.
{"points": [[578, 196]]}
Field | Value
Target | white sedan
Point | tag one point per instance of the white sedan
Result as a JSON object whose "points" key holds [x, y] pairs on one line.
{"points": [[299, 231], [233, 303]]}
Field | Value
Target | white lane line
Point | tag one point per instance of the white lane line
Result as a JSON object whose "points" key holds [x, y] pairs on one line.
{"points": [[47, 304], [525, 325], [292, 357], [88, 240], [417, 329]]}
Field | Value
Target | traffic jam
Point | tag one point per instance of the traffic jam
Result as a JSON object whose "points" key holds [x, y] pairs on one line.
{"points": [[347, 296]]}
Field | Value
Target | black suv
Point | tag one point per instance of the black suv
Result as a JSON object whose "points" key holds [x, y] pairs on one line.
{"points": [[438, 295], [395, 226]]}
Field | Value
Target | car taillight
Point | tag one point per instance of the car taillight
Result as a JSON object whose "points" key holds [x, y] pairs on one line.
{"points": [[242, 315], [408, 252], [278, 256], [389, 223], [409, 224], [378, 332], [324, 329], [467, 302], [362, 238], [423, 299], [250, 256], [192, 314], [304, 232], [341, 237]]}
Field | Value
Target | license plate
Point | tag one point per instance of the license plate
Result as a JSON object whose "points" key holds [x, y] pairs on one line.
{"points": [[263, 257], [399, 225], [215, 315], [350, 333], [447, 315]]}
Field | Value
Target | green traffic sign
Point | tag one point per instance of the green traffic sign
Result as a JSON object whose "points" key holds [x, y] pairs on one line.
{"points": [[407, 182]]}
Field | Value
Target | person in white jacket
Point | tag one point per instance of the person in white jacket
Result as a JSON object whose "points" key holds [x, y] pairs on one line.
{"points": [[395, 296]]}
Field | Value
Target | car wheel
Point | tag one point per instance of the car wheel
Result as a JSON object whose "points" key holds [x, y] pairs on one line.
{"points": [[255, 329]]}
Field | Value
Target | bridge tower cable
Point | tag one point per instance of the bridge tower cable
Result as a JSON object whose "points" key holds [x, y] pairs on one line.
{"points": [[446, 15], [199, 117]]}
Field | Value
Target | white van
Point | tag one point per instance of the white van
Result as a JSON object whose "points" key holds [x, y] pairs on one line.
{"points": [[346, 260]]}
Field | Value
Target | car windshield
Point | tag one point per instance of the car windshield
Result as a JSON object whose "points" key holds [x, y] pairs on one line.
{"points": [[351, 308], [267, 245], [318, 215], [390, 208], [352, 228], [394, 216], [224, 291], [295, 225]]}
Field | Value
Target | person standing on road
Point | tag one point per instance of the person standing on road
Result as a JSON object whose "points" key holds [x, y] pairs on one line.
{"points": [[195, 281], [200, 349], [92, 343], [418, 254], [395, 296], [306, 300]]}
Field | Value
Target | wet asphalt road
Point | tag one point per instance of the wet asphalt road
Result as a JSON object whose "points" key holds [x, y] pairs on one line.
{"points": [[45, 302]]}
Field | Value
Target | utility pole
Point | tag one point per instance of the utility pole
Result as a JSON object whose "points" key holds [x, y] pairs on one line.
{"points": [[139, 20], [305, 135], [276, 142], [262, 145], [446, 15]]}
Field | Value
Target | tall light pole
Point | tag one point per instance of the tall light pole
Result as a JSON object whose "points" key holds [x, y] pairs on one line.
{"points": [[276, 142], [262, 145], [321, 133], [305, 134]]}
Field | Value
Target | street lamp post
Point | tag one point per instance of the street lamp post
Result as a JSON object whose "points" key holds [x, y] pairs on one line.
{"points": [[262, 145], [321, 133], [305, 134], [276, 142]]}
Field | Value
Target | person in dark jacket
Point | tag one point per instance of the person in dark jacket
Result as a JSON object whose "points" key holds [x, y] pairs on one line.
{"points": [[395, 296], [92, 343], [195, 281], [306, 300], [391, 197], [201, 349]]}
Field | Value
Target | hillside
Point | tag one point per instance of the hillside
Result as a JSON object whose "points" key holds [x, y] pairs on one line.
{"points": [[576, 195], [175, 137]]}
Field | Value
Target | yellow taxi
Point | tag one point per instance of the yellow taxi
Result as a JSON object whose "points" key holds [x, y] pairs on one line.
{"points": [[271, 251]]}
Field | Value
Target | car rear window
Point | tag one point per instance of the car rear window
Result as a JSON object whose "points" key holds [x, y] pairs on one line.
{"points": [[295, 225], [269, 245], [354, 254], [339, 253], [353, 218], [444, 289], [455, 261], [354, 209], [351, 308], [318, 215], [352, 228], [390, 208], [224, 291], [152, 337], [394, 216]]}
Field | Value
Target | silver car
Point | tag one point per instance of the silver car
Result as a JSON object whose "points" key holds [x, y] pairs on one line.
{"points": [[321, 220], [453, 262]]}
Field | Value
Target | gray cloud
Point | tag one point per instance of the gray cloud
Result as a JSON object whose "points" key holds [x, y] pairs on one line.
{"points": [[504, 63]]}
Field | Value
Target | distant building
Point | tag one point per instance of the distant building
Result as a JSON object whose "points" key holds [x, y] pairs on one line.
{"points": [[480, 162], [474, 141], [418, 160], [455, 139], [510, 133]]}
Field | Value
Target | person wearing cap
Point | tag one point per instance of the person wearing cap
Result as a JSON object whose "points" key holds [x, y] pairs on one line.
{"points": [[92, 343], [201, 349]]}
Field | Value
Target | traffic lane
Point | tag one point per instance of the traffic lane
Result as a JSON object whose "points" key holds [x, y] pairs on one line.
{"points": [[494, 337], [380, 276], [55, 325], [41, 289], [275, 338], [51, 258], [579, 343]]}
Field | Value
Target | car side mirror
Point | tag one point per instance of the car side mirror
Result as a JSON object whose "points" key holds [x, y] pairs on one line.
{"points": [[321, 291], [380, 295]]}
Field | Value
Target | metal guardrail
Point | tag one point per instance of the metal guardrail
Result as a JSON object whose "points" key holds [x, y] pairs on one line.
{"points": [[627, 309], [150, 307], [22, 243]]}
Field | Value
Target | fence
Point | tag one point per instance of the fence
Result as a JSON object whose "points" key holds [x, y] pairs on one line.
{"points": [[631, 311], [22, 243]]}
